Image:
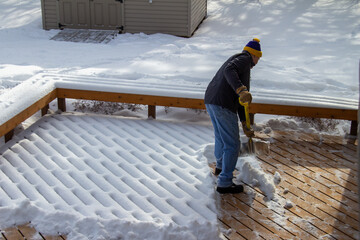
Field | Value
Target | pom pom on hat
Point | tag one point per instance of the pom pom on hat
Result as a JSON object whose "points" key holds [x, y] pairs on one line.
{"points": [[253, 47]]}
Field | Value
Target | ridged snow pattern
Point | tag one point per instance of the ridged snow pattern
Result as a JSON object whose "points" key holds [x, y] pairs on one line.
{"points": [[110, 167]]}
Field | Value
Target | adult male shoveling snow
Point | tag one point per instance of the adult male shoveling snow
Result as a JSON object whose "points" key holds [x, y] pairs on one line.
{"points": [[231, 83]]}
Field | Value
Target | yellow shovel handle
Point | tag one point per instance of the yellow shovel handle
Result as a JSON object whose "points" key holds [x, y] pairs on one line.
{"points": [[247, 116]]}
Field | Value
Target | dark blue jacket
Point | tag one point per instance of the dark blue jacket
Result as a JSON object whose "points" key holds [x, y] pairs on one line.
{"points": [[234, 73]]}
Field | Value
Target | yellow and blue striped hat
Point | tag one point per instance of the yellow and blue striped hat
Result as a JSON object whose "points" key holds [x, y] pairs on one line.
{"points": [[253, 47]]}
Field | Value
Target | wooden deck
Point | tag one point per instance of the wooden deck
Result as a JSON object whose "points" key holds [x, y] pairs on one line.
{"points": [[319, 177], [26, 232]]}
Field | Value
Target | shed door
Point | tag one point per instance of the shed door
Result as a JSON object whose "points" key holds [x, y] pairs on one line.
{"points": [[105, 14], [74, 13], [94, 14]]}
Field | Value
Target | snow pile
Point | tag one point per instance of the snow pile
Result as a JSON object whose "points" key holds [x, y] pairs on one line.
{"points": [[82, 228], [267, 124], [250, 172]]}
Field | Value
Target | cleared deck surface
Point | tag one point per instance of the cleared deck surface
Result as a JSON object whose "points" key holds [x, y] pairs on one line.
{"points": [[319, 177], [26, 232]]}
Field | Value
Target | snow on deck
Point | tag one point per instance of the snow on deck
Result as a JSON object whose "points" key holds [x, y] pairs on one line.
{"points": [[24, 95], [109, 176]]}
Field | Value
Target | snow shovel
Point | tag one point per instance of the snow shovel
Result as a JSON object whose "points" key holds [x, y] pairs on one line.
{"points": [[258, 146], [247, 117]]}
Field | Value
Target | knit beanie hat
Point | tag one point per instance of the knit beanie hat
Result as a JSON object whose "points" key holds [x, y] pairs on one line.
{"points": [[253, 47]]}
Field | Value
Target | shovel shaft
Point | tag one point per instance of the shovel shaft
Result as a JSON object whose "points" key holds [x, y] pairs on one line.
{"points": [[247, 116]]}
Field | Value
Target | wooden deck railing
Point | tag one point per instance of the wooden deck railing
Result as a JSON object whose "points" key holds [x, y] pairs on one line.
{"points": [[7, 128]]}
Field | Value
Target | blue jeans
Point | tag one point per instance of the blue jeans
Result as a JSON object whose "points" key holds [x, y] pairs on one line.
{"points": [[227, 142]]}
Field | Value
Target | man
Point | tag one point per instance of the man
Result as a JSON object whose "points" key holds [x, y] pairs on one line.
{"points": [[230, 85]]}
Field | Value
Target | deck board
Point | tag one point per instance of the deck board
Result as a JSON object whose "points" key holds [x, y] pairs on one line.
{"points": [[26, 232], [318, 175]]}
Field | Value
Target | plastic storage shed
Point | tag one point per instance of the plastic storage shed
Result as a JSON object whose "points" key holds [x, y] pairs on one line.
{"points": [[176, 17]]}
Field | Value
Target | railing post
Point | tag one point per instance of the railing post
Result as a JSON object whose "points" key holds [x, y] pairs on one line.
{"points": [[8, 136], [62, 104], [152, 111], [44, 110], [354, 128], [252, 118]]}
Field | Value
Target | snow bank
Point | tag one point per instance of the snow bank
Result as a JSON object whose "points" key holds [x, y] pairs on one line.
{"points": [[78, 227], [250, 172]]}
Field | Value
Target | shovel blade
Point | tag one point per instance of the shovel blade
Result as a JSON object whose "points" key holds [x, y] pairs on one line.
{"points": [[255, 146], [261, 147]]}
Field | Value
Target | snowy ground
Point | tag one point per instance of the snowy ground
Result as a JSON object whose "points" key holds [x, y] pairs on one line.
{"points": [[309, 47]]}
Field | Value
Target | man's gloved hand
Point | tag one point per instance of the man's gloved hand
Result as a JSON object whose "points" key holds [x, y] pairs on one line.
{"points": [[244, 95], [248, 132]]}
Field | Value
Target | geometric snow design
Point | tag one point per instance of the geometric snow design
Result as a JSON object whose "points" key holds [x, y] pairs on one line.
{"points": [[110, 168]]}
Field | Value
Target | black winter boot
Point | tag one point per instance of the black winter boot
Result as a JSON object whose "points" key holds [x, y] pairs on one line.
{"points": [[232, 189]]}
